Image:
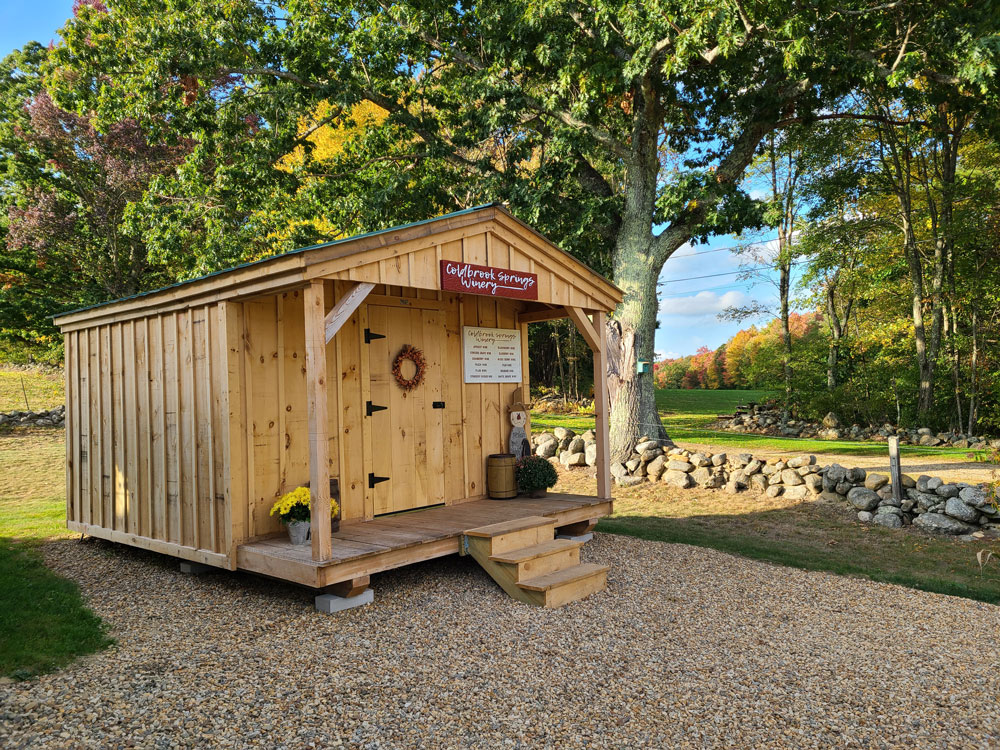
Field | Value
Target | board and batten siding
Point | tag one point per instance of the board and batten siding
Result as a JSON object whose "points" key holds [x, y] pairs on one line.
{"points": [[474, 420], [147, 429]]}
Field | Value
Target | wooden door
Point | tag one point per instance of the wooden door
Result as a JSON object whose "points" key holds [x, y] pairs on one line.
{"points": [[407, 434]]}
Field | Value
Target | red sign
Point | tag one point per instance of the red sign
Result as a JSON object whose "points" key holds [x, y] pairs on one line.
{"points": [[487, 280]]}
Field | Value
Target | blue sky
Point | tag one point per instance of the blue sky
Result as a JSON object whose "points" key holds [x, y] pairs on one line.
{"points": [[688, 309], [31, 20]]}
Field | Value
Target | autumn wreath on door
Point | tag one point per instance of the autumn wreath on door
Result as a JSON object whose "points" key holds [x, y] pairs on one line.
{"points": [[407, 355]]}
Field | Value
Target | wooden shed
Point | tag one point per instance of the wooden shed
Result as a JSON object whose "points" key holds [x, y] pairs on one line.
{"points": [[191, 409]]}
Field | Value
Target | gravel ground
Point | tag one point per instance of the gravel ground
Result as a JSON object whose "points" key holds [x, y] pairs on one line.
{"points": [[688, 648]]}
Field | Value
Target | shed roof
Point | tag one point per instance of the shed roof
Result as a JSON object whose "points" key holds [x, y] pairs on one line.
{"points": [[344, 258]]}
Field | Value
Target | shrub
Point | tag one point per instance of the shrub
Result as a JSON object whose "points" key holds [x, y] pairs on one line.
{"points": [[535, 473]]}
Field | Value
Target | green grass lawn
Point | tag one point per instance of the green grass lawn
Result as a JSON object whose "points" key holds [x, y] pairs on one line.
{"points": [[687, 414], [43, 390], [44, 622]]}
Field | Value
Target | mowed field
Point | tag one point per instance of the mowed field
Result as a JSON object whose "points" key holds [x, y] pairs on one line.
{"points": [[30, 391]]}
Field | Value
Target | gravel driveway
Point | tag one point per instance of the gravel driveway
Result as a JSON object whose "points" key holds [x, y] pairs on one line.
{"points": [[688, 648]]}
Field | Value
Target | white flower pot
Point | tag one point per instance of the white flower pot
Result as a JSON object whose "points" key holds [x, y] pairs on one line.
{"points": [[298, 532]]}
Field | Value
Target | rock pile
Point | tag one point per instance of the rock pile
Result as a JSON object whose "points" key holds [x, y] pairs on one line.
{"points": [[927, 502], [51, 418], [768, 422]]}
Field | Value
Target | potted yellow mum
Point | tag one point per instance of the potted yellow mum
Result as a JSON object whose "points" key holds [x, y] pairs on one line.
{"points": [[294, 510]]}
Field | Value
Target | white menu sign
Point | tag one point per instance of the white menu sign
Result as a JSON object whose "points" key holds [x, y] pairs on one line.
{"points": [[492, 355]]}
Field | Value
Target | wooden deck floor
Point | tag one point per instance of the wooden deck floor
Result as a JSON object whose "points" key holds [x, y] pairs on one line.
{"points": [[393, 541]]}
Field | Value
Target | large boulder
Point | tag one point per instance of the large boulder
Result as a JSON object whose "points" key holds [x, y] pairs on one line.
{"points": [[863, 498], [799, 461], [791, 478], [857, 475], [889, 520], [758, 483], [568, 458], [646, 445], [947, 490], [576, 445], [831, 421], [926, 500], [957, 509], [654, 469], [973, 496], [876, 481], [835, 474], [618, 470], [814, 482], [650, 453], [678, 465], [677, 478], [562, 433], [938, 523], [799, 492], [591, 453], [753, 467], [547, 449], [700, 459], [719, 459]]}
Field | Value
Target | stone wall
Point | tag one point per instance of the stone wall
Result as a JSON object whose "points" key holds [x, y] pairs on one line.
{"points": [[768, 422], [928, 503], [51, 418]]}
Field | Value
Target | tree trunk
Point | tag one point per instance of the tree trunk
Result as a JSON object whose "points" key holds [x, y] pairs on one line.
{"points": [[925, 364], [559, 362], [973, 375], [630, 339]]}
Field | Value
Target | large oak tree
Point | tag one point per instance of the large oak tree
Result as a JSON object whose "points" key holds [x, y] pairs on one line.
{"points": [[622, 128]]}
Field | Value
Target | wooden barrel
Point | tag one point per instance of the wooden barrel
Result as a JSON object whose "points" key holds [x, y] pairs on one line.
{"points": [[500, 482]]}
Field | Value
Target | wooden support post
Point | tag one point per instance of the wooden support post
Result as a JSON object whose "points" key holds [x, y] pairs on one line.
{"points": [[319, 446], [350, 587], [895, 470], [601, 407]]}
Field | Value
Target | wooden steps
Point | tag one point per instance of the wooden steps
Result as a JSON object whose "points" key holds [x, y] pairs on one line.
{"points": [[525, 559]]}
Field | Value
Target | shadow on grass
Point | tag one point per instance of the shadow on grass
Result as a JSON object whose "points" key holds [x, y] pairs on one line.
{"points": [[824, 539], [44, 623]]}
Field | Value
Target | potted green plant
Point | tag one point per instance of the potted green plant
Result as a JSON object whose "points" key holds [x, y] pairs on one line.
{"points": [[294, 510], [535, 475]]}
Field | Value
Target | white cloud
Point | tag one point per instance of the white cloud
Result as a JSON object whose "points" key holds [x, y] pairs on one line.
{"points": [[703, 303], [660, 356]]}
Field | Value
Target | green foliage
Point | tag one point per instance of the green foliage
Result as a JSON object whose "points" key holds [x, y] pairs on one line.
{"points": [[534, 473]]}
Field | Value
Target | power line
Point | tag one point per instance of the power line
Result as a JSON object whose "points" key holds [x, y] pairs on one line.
{"points": [[733, 273]]}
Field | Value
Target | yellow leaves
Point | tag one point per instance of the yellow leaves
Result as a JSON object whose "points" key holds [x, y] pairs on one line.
{"points": [[329, 139]]}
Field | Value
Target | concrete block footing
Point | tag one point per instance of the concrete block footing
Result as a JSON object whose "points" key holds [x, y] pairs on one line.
{"points": [[330, 603], [581, 538], [194, 568]]}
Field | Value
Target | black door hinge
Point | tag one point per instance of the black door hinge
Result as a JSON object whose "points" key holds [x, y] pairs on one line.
{"points": [[370, 337], [371, 408], [437, 405], [373, 480]]}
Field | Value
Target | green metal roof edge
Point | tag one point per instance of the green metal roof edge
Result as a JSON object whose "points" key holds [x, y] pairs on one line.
{"points": [[296, 251]]}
